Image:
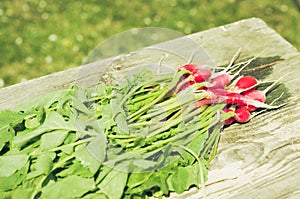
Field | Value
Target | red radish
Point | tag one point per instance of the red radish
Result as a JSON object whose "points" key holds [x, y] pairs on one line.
{"points": [[201, 74], [188, 84], [256, 95], [248, 107], [239, 99], [220, 81], [189, 67], [242, 115], [198, 74], [229, 120], [246, 82], [235, 98], [218, 91]]}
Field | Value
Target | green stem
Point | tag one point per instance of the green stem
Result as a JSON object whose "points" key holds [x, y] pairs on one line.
{"points": [[215, 146], [191, 127], [186, 115], [146, 89], [213, 139], [163, 104], [126, 141], [119, 136], [100, 97], [176, 104], [183, 133], [161, 115], [62, 162], [71, 144], [134, 89], [141, 124], [145, 96], [152, 86], [160, 144], [160, 97], [177, 114], [202, 120], [148, 105]]}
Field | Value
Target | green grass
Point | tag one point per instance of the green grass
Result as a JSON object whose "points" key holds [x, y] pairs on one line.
{"points": [[39, 37]]}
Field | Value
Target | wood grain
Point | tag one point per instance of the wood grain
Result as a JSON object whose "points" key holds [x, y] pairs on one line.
{"points": [[260, 159]]}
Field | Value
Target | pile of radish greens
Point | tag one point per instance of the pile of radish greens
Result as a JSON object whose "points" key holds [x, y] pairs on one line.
{"points": [[146, 137]]}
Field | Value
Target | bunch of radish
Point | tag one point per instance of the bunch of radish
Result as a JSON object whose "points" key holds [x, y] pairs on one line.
{"points": [[238, 92]]}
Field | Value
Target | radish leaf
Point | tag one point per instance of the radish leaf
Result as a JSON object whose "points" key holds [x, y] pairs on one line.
{"points": [[113, 184], [69, 187]]}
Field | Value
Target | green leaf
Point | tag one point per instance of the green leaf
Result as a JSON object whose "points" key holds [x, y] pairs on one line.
{"points": [[33, 182], [32, 121], [104, 171], [77, 104], [9, 182], [196, 145], [98, 92], [10, 117], [6, 195], [154, 183], [67, 147], [54, 121], [93, 154], [160, 180], [12, 163], [76, 168], [97, 147], [184, 178], [105, 123], [21, 192], [34, 118], [44, 101], [6, 135], [106, 120], [53, 139], [95, 196], [144, 164], [136, 179], [69, 187], [43, 164], [79, 93], [122, 124], [113, 184], [198, 142], [118, 114]]}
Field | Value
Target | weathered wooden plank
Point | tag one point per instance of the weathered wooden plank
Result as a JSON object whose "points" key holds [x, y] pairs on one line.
{"points": [[260, 159]]}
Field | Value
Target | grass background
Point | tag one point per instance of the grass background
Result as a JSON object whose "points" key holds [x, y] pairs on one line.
{"points": [[39, 37]]}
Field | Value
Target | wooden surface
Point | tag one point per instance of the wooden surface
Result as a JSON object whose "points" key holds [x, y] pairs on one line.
{"points": [[260, 159]]}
